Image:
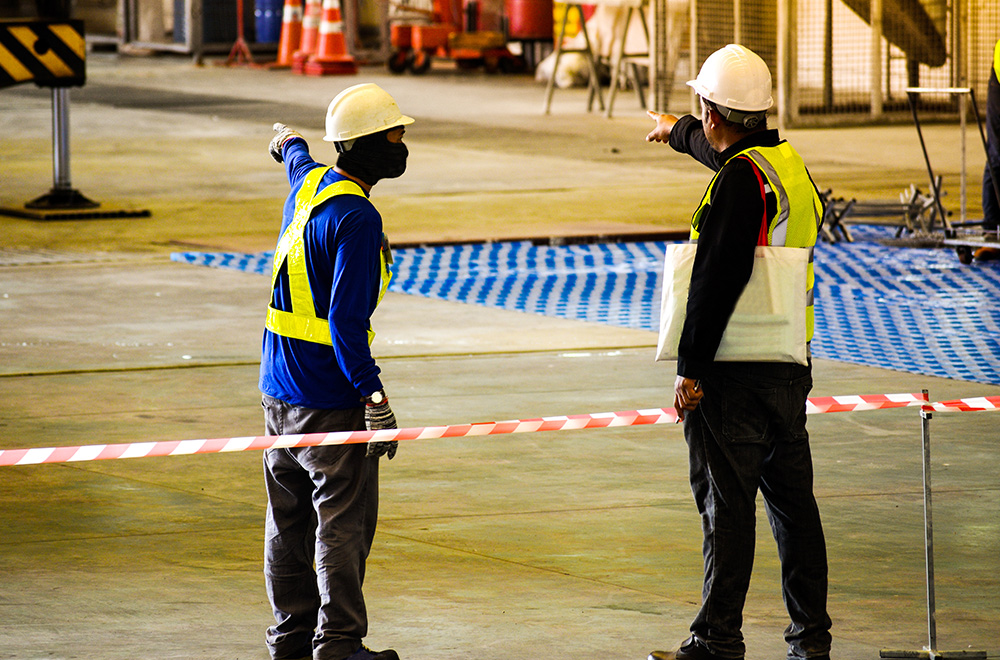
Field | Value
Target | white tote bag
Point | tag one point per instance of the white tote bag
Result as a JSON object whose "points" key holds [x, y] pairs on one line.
{"points": [[769, 322]]}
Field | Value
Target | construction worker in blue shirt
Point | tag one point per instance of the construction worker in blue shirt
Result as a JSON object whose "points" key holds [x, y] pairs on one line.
{"points": [[745, 422], [317, 374]]}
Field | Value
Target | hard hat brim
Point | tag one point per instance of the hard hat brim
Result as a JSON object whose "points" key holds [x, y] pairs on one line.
{"points": [[403, 120], [706, 94]]}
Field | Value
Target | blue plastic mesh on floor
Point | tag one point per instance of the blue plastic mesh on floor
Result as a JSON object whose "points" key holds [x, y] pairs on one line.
{"points": [[914, 310]]}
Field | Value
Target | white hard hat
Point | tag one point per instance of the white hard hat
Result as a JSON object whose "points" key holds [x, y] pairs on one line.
{"points": [[362, 110], [735, 77]]}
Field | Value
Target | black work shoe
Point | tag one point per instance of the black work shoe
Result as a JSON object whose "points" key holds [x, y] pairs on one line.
{"points": [[689, 650], [365, 653]]}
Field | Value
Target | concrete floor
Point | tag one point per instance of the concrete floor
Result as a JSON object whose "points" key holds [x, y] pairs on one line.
{"points": [[561, 545]]}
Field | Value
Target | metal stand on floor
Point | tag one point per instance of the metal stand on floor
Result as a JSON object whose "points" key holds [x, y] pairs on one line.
{"points": [[62, 196], [966, 236], [911, 94], [594, 83], [628, 63], [240, 53], [930, 652]]}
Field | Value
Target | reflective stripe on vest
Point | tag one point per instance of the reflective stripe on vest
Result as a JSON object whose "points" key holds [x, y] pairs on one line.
{"points": [[301, 322], [799, 212]]}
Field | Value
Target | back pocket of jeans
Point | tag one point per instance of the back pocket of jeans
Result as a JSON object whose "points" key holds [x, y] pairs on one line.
{"points": [[744, 418]]}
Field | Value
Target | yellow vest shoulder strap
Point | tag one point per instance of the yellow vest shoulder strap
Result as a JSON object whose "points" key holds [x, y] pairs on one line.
{"points": [[301, 322], [788, 178]]}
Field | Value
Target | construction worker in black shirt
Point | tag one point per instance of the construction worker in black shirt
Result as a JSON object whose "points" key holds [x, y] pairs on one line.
{"points": [[745, 422], [991, 204]]}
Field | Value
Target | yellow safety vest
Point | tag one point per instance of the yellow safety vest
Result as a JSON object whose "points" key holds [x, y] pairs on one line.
{"points": [[799, 211], [302, 322]]}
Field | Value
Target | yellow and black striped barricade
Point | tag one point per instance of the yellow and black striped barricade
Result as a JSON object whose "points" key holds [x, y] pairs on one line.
{"points": [[52, 53], [47, 53]]}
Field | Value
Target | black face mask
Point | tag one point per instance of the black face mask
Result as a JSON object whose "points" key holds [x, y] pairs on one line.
{"points": [[373, 158]]}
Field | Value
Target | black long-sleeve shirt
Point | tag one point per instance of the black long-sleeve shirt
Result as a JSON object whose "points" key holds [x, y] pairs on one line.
{"points": [[728, 233], [993, 114]]}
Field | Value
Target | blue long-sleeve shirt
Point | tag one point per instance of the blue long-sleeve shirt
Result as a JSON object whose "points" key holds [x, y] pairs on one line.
{"points": [[343, 242]]}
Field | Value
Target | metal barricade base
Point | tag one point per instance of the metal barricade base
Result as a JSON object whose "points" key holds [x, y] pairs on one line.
{"points": [[925, 654]]}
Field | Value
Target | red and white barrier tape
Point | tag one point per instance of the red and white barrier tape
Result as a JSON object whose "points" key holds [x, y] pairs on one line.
{"points": [[182, 447], [563, 423], [973, 404], [826, 404]]}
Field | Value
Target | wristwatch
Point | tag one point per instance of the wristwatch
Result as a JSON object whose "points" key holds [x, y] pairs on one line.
{"points": [[377, 397]]}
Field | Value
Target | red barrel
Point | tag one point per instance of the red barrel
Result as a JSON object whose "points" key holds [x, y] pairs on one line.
{"points": [[529, 19]]}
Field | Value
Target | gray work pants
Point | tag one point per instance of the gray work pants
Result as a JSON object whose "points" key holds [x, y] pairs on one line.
{"points": [[322, 508]]}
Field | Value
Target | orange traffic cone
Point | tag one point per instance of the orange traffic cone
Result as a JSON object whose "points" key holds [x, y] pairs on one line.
{"points": [[331, 52], [310, 35], [291, 34]]}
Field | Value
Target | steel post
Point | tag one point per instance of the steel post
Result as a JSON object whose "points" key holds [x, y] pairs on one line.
{"points": [[60, 139]]}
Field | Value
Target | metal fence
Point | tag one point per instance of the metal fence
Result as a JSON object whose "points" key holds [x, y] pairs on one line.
{"points": [[833, 64]]}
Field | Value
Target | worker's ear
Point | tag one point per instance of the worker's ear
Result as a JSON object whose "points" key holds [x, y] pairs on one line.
{"points": [[711, 117]]}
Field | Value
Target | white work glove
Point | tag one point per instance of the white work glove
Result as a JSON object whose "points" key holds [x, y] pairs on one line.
{"points": [[378, 415], [284, 134]]}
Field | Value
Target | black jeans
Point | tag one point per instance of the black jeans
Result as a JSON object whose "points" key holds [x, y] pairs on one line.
{"points": [[749, 433], [322, 508]]}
